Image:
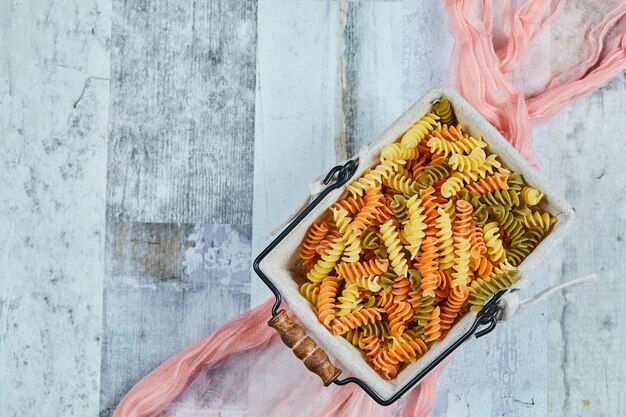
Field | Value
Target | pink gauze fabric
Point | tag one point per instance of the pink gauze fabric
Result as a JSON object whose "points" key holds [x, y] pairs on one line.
{"points": [[523, 67], [518, 69]]}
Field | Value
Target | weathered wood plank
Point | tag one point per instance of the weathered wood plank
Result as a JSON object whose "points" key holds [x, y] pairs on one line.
{"points": [[167, 286], [370, 71], [180, 154], [54, 100], [182, 92], [295, 111], [587, 328]]}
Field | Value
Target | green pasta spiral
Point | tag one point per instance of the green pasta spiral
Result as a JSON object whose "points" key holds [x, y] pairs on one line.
{"points": [[523, 245], [387, 279], [481, 215], [507, 221], [515, 182], [443, 109], [369, 239], [434, 173], [509, 198], [398, 206], [481, 289]]}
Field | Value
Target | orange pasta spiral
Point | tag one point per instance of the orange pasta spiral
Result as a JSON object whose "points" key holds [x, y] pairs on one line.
{"points": [[433, 327], [314, 236], [400, 289], [373, 200], [350, 204], [489, 185], [405, 352], [398, 316], [355, 319], [451, 134], [429, 202], [413, 298], [463, 222], [384, 212], [418, 165], [429, 266], [477, 241], [372, 346], [363, 269], [385, 301], [452, 306], [482, 267], [326, 300]]}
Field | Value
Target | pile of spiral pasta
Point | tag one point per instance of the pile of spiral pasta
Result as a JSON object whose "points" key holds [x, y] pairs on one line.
{"points": [[432, 231]]}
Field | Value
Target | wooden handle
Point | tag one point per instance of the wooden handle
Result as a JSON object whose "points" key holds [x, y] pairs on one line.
{"points": [[314, 358]]}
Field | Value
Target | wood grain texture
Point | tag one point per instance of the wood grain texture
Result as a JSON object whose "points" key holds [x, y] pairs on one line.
{"points": [[166, 287], [54, 100], [295, 111], [331, 75], [179, 197], [182, 111], [587, 328]]}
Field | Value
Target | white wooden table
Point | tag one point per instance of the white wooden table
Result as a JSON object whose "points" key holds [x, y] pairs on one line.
{"points": [[147, 149]]}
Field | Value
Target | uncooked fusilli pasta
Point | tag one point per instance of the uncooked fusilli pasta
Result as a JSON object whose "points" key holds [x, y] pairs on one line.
{"points": [[430, 233]]}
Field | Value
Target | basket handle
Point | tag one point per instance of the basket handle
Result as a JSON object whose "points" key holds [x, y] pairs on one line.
{"points": [[305, 348]]}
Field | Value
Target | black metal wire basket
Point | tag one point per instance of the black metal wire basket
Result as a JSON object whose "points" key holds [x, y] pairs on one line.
{"points": [[308, 351]]}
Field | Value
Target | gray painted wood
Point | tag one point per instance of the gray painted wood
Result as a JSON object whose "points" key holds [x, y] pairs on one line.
{"points": [[182, 111], [166, 287], [587, 330], [54, 100], [179, 196]]}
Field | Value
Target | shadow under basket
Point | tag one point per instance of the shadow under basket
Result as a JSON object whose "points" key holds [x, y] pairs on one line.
{"points": [[277, 264]]}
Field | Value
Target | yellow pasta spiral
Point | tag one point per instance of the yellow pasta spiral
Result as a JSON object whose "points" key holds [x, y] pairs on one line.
{"points": [[490, 164], [454, 184], [531, 195], [363, 269], [348, 299], [414, 228], [419, 130], [352, 243], [327, 262], [373, 177], [468, 163], [493, 243], [464, 146], [356, 338], [368, 283], [403, 184], [394, 152], [445, 243], [310, 291], [542, 220], [391, 240], [461, 274]]}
